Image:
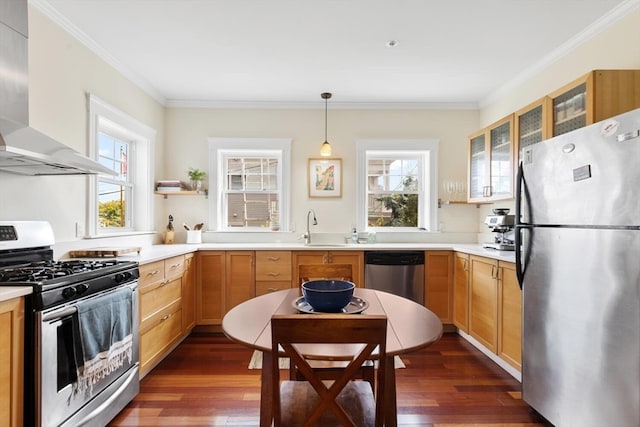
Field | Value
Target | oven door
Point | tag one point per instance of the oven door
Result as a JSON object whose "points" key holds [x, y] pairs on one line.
{"points": [[56, 379]]}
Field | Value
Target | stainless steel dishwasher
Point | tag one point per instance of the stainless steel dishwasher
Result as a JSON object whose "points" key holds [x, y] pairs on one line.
{"points": [[397, 272]]}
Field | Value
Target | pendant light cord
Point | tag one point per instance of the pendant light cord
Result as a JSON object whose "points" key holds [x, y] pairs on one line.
{"points": [[325, 119]]}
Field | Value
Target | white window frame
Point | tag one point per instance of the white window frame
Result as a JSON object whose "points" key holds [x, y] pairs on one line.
{"points": [[107, 118], [221, 148], [427, 151]]}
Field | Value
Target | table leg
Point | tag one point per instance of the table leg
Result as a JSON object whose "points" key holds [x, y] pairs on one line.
{"points": [[390, 405], [266, 392]]}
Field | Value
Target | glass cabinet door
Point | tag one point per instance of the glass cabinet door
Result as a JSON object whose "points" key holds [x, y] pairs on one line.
{"points": [[569, 110], [501, 161], [491, 170], [477, 166]]}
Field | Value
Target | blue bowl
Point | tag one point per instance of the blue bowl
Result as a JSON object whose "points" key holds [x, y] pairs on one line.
{"points": [[328, 296]]}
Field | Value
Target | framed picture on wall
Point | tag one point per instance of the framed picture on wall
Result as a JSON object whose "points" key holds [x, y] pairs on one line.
{"points": [[325, 177]]}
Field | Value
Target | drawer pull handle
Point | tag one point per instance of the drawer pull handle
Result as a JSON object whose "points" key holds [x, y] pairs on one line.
{"points": [[272, 289], [272, 274], [174, 266], [164, 282], [274, 258], [153, 273], [165, 317]]}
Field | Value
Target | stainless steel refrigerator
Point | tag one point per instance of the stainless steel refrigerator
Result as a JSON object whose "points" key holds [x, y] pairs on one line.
{"points": [[578, 263]]}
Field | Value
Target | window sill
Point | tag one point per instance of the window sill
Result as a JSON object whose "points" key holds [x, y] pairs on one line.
{"points": [[122, 234]]}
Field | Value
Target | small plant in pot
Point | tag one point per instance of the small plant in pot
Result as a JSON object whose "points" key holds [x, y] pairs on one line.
{"points": [[196, 176]]}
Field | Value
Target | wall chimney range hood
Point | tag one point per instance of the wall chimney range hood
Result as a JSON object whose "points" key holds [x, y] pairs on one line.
{"points": [[24, 150]]}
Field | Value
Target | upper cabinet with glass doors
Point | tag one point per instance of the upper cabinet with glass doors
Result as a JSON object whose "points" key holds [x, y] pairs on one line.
{"points": [[596, 96], [491, 167], [531, 124]]}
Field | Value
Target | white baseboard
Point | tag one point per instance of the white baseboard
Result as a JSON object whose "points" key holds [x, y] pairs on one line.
{"points": [[491, 355]]}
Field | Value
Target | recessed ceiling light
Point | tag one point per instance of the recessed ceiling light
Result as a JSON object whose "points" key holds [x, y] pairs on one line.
{"points": [[392, 43]]}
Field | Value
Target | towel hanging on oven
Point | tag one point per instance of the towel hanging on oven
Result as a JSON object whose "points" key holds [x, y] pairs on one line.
{"points": [[104, 325]]}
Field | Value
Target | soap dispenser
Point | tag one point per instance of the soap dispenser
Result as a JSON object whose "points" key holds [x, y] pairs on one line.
{"points": [[354, 234]]}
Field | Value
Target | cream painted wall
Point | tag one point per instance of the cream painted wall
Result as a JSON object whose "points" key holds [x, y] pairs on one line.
{"points": [[61, 71], [617, 47], [187, 131]]}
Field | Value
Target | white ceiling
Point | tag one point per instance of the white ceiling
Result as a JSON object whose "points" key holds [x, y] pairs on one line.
{"points": [[282, 52]]}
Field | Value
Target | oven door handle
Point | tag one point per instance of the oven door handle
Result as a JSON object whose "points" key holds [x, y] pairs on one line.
{"points": [[59, 314]]}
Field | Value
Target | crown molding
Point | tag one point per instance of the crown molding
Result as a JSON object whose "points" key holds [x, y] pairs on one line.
{"points": [[604, 22], [51, 13], [283, 105]]}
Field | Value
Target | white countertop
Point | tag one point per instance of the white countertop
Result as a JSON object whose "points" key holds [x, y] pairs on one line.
{"points": [[10, 292], [157, 252]]}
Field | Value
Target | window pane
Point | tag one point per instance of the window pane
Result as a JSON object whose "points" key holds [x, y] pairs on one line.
{"points": [[396, 210], [251, 209], [252, 174], [111, 205], [393, 188], [114, 154]]}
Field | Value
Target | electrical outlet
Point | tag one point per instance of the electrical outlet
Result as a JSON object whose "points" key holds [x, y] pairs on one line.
{"points": [[79, 229]]}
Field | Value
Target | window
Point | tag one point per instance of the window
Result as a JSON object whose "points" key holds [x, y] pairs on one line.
{"points": [[121, 203], [114, 193], [397, 182], [251, 191]]}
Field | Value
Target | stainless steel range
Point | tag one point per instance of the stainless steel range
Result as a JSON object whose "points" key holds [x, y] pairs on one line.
{"points": [[81, 329]]}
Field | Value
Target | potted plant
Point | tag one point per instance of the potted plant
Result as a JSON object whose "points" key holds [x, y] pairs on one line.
{"points": [[196, 176]]}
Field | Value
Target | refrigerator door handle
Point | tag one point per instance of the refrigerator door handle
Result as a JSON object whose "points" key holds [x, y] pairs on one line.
{"points": [[521, 190]]}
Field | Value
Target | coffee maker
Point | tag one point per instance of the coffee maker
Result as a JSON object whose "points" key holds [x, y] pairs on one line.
{"points": [[502, 224]]}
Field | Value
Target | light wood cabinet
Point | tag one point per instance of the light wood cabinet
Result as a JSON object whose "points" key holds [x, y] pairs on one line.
{"points": [[273, 271], [461, 291], [189, 294], [11, 361], [239, 278], [491, 162], [210, 287], [439, 284], [593, 97], [160, 287], [509, 315], [224, 279], [495, 308], [483, 301], [355, 258]]}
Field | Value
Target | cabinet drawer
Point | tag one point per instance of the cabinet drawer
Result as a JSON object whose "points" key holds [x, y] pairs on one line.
{"points": [[273, 265], [174, 266], [150, 274], [156, 340], [266, 287], [155, 299]]}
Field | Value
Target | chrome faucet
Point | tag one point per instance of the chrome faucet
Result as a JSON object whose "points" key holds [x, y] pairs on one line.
{"points": [[307, 235]]}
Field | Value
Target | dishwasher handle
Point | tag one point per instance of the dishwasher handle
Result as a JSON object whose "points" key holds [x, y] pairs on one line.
{"points": [[394, 257]]}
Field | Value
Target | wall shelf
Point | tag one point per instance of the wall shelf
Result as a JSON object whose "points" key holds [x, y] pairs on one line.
{"points": [[183, 193]]}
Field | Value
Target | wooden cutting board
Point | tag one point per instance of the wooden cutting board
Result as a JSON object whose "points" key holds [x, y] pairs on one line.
{"points": [[104, 252]]}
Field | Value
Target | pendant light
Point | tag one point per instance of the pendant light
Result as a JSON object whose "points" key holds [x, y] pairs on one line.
{"points": [[325, 150]]}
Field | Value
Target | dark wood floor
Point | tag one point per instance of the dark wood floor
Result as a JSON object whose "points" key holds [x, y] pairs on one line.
{"points": [[206, 382]]}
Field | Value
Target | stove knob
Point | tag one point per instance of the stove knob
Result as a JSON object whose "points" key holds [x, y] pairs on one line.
{"points": [[68, 292], [80, 289], [123, 277]]}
